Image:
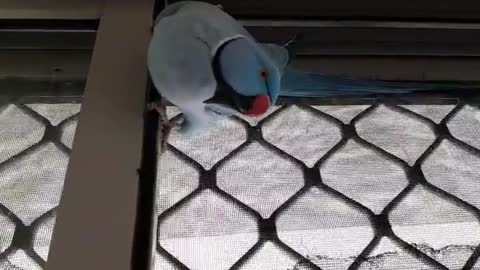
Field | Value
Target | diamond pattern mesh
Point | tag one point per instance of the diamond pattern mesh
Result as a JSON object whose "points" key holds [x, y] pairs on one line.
{"points": [[35, 142], [376, 185]]}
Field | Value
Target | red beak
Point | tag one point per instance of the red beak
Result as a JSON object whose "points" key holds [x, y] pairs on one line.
{"points": [[260, 106]]}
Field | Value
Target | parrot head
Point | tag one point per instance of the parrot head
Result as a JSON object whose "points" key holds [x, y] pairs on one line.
{"points": [[249, 81]]}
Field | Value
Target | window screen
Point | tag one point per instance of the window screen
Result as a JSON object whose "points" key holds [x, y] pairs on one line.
{"points": [[41, 83], [328, 184], [35, 144]]}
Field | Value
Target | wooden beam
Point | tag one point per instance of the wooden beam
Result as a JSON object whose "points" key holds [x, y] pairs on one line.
{"points": [[96, 216]]}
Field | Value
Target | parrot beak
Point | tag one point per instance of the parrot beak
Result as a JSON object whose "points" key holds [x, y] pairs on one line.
{"points": [[234, 102], [260, 105]]}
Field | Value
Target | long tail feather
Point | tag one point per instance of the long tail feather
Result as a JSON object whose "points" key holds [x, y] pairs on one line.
{"points": [[301, 84]]}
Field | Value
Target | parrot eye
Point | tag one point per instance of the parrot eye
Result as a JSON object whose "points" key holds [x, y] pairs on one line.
{"points": [[264, 74]]}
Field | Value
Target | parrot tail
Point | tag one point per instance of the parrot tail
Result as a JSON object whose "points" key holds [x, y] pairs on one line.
{"points": [[301, 84]]}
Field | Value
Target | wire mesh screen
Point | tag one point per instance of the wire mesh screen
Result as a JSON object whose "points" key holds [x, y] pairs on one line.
{"points": [[377, 185], [35, 143]]}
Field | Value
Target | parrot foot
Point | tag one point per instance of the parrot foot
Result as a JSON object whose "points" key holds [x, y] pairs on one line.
{"points": [[161, 107], [166, 124], [155, 106], [166, 130]]}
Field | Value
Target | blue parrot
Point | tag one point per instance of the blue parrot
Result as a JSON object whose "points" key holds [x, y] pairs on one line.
{"points": [[205, 62], [197, 60]]}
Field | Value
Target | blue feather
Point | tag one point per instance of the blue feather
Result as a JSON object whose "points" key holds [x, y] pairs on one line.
{"points": [[302, 84]]}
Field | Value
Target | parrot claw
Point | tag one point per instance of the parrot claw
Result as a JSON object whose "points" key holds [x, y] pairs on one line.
{"points": [[166, 124], [161, 107], [166, 130], [154, 105]]}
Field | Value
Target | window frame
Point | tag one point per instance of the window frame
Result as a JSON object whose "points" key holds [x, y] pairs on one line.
{"points": [[110, 126]]}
